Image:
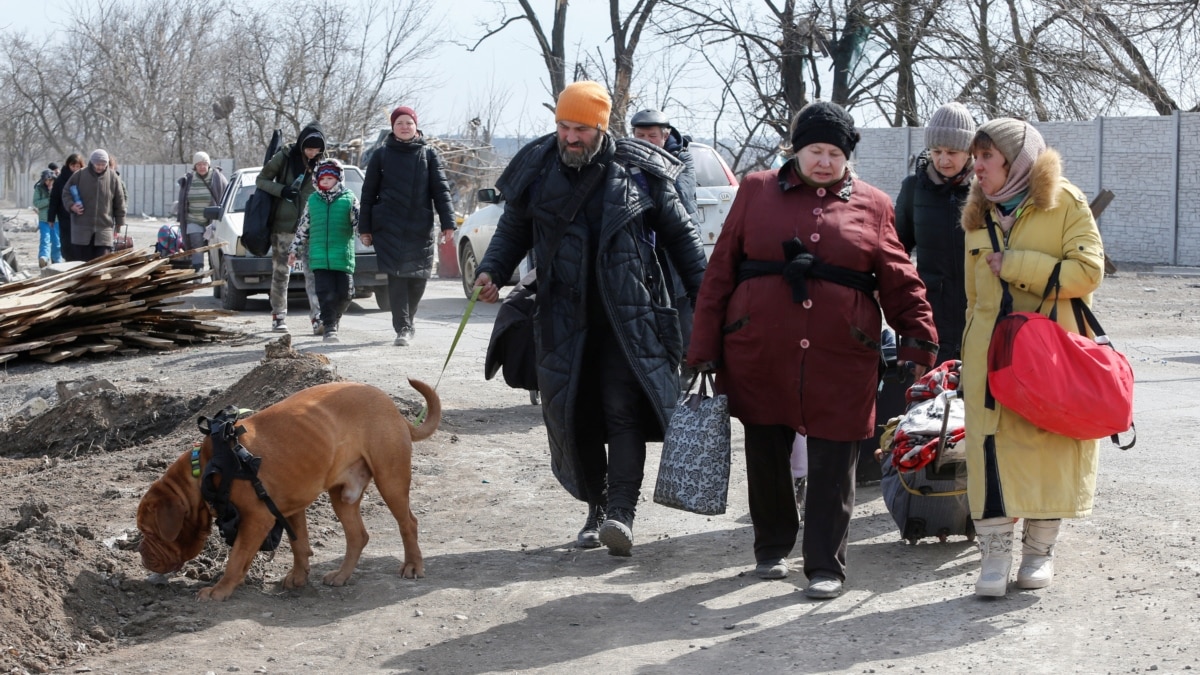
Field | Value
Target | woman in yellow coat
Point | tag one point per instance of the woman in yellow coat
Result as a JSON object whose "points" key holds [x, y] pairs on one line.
{"points": [[1016, 470]]}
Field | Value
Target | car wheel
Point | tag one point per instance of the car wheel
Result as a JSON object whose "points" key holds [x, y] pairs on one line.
{"points": [[467, 265], [232, 298], [382, 298]]}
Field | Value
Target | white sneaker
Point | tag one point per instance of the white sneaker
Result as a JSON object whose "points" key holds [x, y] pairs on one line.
{"points": [[279, 323]]}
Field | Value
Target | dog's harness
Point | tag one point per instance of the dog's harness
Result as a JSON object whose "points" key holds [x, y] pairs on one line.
{"points": [[231, 460]]}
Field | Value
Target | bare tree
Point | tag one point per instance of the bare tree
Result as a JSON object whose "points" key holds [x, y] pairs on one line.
{"points": [[553, 48], [147, 75], [626, 34]]}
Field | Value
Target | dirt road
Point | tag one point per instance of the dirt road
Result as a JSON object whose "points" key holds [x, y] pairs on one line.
{"points": [[505, 588]]}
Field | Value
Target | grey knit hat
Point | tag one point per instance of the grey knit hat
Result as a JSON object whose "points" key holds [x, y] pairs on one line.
{"points": [[1008, 135], [98, 156], [951, 126]]}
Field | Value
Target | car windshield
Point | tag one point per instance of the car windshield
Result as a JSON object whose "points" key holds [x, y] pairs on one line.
{"points": [[354, 181], [709, 171]]}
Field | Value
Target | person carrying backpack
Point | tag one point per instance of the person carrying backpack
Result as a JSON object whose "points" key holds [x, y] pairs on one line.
{"points": [[288, 178]]}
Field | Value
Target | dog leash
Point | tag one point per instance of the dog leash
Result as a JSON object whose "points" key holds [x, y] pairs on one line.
{"points": [[461, 326]]}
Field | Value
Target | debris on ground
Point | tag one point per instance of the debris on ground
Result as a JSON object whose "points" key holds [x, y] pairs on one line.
{"points": [[117, 303]]}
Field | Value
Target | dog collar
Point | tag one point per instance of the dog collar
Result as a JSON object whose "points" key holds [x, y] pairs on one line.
{"points": [[195, 461]]}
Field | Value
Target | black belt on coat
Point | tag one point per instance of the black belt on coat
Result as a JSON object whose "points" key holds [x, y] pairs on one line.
{"points": [[799, 266]]}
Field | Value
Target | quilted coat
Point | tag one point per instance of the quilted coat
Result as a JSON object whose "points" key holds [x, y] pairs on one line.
{"points": [[629, 279], [808, 365], [927, 219], [1041, 475], [404, 185]]}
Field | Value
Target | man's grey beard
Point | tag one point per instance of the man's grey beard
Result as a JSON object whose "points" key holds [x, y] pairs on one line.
{"points": [[582, 159]]}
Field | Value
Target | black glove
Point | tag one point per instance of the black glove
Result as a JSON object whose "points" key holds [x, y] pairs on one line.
{"points": [[288, 192], [796, 269]]}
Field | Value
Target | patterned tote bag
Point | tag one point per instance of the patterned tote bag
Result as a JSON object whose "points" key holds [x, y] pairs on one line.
{"points": [[693, 474]]}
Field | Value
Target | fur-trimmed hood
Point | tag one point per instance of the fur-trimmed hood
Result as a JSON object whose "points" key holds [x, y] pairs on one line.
{"points": [[1045, 184]]}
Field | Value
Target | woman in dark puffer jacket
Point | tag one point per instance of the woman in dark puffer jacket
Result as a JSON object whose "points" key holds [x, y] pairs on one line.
{"points": [[404, 186], [927, 215]]}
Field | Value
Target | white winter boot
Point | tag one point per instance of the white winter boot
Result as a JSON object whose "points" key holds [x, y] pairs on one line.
{"points": [[994, 536], [1037, 553]]}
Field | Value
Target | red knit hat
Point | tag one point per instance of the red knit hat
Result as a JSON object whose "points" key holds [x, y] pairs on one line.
{"points": [[404, 110]]}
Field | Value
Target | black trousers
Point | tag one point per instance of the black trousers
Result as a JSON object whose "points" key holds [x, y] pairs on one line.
{"points": [[333, 295], [611, 408], [827, 506], [404, 294]]}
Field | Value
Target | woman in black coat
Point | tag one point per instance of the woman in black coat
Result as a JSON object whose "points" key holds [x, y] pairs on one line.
{"points": [[405, 184], [927, 215], [59, 214]]}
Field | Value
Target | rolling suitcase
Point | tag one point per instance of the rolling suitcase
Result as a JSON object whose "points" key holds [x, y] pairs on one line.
{"points": [[924, 473], [939, 506]]}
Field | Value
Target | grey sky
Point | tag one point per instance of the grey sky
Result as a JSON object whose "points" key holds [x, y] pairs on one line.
{"points": [[508, 61]]}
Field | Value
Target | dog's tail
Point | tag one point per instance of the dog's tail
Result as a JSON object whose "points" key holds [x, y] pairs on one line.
{"points": [[433, 417]]}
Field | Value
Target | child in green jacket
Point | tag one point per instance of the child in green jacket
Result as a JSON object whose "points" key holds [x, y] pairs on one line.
{"points": [[326, 231]]}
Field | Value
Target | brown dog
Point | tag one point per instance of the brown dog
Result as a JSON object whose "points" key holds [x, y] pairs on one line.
{"points": [[330, 438]]}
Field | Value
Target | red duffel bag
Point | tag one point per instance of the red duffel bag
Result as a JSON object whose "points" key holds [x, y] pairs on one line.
{"points": [[1063, 382]]}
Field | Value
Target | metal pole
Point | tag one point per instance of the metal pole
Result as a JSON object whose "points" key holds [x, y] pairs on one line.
{"points": [[1176, 123]]}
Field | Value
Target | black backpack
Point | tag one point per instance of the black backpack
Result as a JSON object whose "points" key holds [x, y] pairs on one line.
{"points": [[256, 222]]}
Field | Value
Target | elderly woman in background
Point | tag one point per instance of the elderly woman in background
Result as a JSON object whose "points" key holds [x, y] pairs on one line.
{"points": [[201, 188], [787, 317], [1014, 469], [927, 219], [100, 210]]}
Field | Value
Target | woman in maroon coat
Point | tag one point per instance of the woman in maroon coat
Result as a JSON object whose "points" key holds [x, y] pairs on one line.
{"points": [[787, 317]]}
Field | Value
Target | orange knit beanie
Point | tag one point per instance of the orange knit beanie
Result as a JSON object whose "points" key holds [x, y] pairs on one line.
{"points": [[584, 103]]}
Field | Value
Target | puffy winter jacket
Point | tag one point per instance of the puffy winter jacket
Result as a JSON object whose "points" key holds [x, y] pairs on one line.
{"points": [[1038, 474], [630, 281], [927, 215], [404, 185]]}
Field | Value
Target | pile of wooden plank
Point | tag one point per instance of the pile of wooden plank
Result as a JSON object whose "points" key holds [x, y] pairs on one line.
{"points": [[117, 303]]}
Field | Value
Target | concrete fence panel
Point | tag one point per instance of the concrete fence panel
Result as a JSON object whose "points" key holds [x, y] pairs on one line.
{"points": [[1148, 162]]}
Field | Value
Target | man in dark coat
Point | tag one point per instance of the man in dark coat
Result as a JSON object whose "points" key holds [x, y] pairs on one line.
{"points": [[608, 341], [653, 127]]}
